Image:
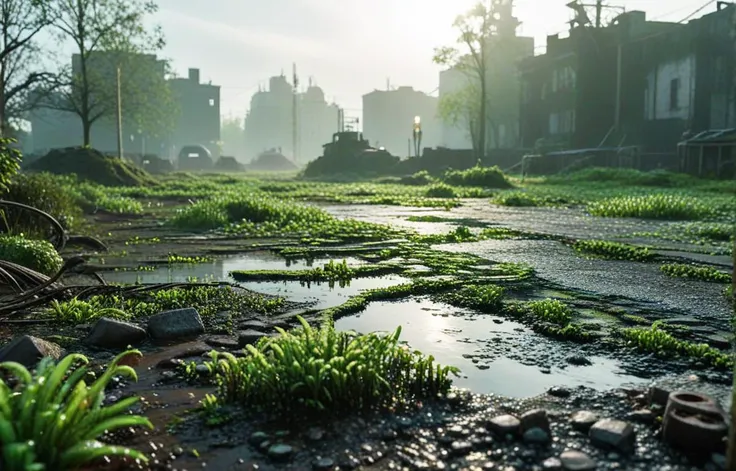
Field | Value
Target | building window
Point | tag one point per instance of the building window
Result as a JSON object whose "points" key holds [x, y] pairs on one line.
{"points": [[212, 102], [674, 94]]}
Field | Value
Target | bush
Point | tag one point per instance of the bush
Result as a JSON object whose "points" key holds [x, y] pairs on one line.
{"points": [[326, 371], [695, 272], [9, 162], [49, 193], [418, 179], [53, 419], [440, 190], [613, 250], [488, 177], [38, 255]]}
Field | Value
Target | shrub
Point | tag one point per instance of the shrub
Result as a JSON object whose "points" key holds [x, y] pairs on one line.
{"points": [[485, 298], [440, 190], [49, 193], [326, 371], [38, 255], [53, 419], [658, 206], [551, 310], [9, 162], [613, 250], [488, 177], [418, 179]]}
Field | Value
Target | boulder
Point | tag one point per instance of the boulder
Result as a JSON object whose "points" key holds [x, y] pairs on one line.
{"points": [[28, 350], [111, 333], [176, 324], [613, 434]]}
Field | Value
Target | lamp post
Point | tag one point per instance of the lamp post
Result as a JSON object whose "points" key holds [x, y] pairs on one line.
{"points": [[417, 135]]}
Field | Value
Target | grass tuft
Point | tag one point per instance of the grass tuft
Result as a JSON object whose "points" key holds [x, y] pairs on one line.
{"points": [[613, 250], [657, 206], [696, 272]]}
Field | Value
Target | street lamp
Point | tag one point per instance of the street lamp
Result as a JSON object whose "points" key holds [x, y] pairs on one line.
{"points": [[417, 135]]}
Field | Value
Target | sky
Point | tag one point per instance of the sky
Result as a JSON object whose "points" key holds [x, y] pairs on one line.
{"points": [[348, 47]]}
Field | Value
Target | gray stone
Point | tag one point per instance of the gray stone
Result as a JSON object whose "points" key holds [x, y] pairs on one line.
{"points": [[28, 350], [176, 324], [461, 447], [256, 324], [249, 337], [315, 434], [536, 418], [111, 333], [559, 391], [718, 341], [583, 420], [256, 438], [324, 464], [280, 452], [578, 360], [577, 461], [504, 424], [616, 434], [644, 416], [536, 435], [222, 341], [552, 464]]}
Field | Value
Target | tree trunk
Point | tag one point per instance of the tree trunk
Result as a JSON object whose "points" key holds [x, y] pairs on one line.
{"points": [[3, 118], [86, 131], [482, 128]]}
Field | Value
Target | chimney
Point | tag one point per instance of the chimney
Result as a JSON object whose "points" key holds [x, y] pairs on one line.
{"points": [[194, 75]]}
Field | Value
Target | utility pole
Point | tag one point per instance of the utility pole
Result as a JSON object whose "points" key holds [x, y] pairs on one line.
{"points": [[119, 114], [294, 114], [598, 13]]}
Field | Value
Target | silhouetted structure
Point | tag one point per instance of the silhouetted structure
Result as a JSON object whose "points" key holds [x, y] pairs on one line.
{"points": [[199, 114], [194, 158], [269, 122], [388, 117], [505, 50], [635, 82]]}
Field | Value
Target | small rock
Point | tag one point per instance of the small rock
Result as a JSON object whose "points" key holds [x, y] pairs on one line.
{"points": [[552, 464], [583, 420], [315, 434], [256, 438], [718, 341], [249, 337], [558, 391], [280, 452], [644, 416], [28, 350], [577, 461], [578, 360], [175, 324], [457, 431], [256, 324], [659, 395], [111, 333], [504, 424], [536, 418], [202, 370], [461, 447], [169, 363], [323, 464], [536, 435], [617, 434], [222, 341]]}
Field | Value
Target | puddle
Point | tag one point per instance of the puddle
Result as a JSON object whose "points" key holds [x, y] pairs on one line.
{"points": [[321, 296], [495, 355], [270, 261]]}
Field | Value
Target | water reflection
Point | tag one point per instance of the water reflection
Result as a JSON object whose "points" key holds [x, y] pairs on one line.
{"points": [[494, 357]]}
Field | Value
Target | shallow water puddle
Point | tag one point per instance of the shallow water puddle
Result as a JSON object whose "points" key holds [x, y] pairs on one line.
{"points": [[495, 355], [321, 295], [270, 261]]}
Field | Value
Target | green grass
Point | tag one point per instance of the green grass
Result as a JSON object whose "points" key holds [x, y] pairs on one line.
{"points": [[484, 298], [656, 206], [332, 273], [53, 419], [696, 272], [485, 177], [613, 250], [660, 342], [38, 255], [322, 371], [550, 317]]}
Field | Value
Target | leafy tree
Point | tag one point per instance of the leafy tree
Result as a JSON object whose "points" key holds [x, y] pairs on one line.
{"points": [[233, 137], [470, 56], [20, 22], [461, 109], [109, 35]]}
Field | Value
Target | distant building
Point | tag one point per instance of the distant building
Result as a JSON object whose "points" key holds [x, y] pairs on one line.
{"points": [[505, 50], [198, 122], [269, 121], [198, 115], [388, 117], [635, 82]]}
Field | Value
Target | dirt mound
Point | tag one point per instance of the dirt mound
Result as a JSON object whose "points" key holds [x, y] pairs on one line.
{"points": [[272, 161], [93, 165]]}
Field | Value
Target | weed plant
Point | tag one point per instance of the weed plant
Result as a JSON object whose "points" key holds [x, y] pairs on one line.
{"points": [[331, 272], [653, 206], [418, 179], [49, 193], [625, 176], [52, 420], [484, 298], [660, 342], [76, 311], [174, 259], [441, 190], [696, 272], [613, 250], [323, 371], [552, 311], [486, 177], [550, 317], [38, 255]]}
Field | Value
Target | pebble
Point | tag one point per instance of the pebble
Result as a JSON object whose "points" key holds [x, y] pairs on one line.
{"points": [[323, 464], [558, 391], [256, 438], [583, 420], [280, 452], [504, 424], [536, 418], [552, 464], [536, 435], [315, 434], [461, 447], [617, 434], [577, 461], [644, 416]]}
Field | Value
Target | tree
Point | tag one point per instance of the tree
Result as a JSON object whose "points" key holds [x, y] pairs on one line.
{"points": [[461, 109], [20, 22], [109, 35], [233, 137], [470, 56]]}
